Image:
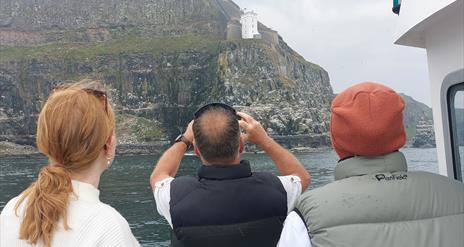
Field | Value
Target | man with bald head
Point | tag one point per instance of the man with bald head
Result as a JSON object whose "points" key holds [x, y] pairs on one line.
{"points": [[226, 204]]}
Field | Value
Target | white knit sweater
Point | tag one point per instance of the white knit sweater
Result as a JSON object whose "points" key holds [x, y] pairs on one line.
{"points": [[92, 223]]}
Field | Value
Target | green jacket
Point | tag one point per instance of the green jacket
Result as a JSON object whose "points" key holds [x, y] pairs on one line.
{"points": [[376, 202]]}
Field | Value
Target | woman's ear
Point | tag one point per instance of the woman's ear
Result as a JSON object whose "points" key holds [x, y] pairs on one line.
{"points": [[110, 146]]}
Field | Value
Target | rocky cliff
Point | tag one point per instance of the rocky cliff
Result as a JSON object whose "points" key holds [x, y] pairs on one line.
{"points": [[418, 121], [28, 22], [160, 60]]}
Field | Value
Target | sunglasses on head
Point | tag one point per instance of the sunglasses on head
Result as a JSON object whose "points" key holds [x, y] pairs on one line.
{"points": [[209, 106], [97, 93]]}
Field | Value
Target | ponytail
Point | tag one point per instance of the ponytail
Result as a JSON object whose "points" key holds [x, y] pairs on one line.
{"points": [[47, 202]]}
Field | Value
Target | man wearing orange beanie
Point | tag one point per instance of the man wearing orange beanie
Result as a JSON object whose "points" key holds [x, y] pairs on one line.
{"points": [[375, 201]]}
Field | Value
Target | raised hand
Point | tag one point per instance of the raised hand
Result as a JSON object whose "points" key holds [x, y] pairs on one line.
{"points": [[189, 132], [254, 131]]}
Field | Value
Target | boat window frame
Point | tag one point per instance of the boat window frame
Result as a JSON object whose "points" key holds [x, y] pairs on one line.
{"points": [[457, 162], [455, 153]]}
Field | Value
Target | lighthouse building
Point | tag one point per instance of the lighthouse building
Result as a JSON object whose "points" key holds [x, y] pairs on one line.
{"points": [[249, 21]]}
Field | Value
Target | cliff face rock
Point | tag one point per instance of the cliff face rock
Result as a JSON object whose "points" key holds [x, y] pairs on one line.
{"points": [[418, 121], [160, 61], [37, 22], [289, 97], [293, 96]]}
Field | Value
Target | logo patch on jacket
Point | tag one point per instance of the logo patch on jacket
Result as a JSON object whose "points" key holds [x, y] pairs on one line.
{"points": [[390, 177]]}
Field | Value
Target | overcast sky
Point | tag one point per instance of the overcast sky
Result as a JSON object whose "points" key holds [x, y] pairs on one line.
{"points": [[352, 40]]}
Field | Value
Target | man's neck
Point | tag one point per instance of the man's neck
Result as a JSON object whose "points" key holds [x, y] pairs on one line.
{"points": [[235, 161]]}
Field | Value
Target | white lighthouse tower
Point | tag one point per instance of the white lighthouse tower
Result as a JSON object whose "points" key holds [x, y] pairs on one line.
{"points": [[249, 21]]}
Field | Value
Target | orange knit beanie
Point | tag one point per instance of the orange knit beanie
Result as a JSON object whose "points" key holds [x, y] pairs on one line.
{"points": [[367, 120]]}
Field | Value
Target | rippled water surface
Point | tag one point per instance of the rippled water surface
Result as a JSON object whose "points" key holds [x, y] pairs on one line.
{"points": [[125, 185]]}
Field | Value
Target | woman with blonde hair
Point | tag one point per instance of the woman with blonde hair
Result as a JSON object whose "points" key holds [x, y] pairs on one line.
{"points": [[76, 131]]}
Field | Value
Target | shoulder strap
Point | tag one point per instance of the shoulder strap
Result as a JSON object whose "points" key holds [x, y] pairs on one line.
{"points": [[301, 217]]}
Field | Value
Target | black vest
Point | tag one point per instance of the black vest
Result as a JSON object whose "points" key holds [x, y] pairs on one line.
{"points": [[227, 205]]}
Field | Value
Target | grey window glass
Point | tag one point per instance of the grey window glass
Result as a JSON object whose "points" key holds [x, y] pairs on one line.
{"points": [[456, 98], [459, 109]]}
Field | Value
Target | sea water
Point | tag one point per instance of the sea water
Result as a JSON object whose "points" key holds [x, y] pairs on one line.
{"points": [[125, 186]]}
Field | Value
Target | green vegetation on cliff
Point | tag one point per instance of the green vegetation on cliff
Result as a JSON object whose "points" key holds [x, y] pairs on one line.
{"points": [[123, 45], [134, 129]]}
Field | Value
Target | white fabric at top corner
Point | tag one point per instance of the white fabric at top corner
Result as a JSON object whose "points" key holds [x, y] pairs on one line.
{"points": [[294, 233]]}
